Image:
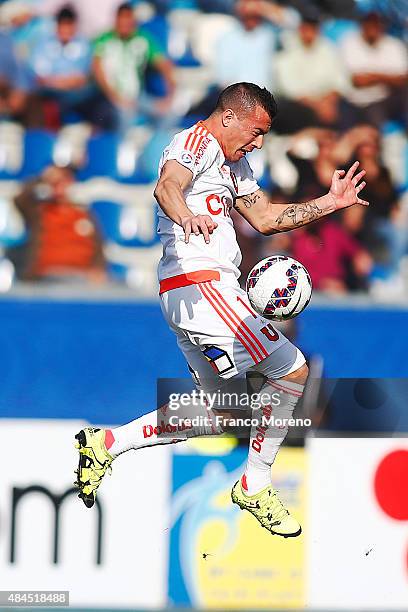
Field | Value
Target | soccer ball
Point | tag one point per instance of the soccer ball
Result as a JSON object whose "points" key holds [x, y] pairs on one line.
{"points": [[279, 287]]}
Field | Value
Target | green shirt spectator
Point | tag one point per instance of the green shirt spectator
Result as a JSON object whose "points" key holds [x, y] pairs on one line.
{"points": [[124, 60], [120, 60]]}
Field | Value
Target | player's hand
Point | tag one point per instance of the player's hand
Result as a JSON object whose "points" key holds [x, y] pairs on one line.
{"points": [[198, 224], [345, 188]]}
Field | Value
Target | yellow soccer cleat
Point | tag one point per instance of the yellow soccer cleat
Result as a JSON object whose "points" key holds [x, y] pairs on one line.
{"points": [[94, 461], [268, 510]]}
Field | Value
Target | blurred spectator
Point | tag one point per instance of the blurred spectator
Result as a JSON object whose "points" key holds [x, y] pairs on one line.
{"points": [[94, 16], [331, 250], [335, 8], [14, 83], [332, 255], [384, 230], [61, 65], [246, 52], [310, 80], [378, 65], [314, 173], [121, 57], [62, 237]]}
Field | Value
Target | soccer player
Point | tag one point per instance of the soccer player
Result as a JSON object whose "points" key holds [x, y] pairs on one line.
{"points": [[203, 175]]}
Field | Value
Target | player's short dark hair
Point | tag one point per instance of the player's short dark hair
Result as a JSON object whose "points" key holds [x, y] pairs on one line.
{"points": [[125, 6], [66, 13], [246, 96]]}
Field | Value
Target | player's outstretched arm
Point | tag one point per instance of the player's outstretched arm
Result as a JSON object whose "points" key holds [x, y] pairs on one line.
{"points": [[269, 218], [169, 193]]}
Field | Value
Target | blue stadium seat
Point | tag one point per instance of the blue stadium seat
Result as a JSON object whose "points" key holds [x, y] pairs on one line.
{"points": [[117, 272], [38, 148], [101, 156], [120, 224], [149, 160], [102, 160], [12, 228]]}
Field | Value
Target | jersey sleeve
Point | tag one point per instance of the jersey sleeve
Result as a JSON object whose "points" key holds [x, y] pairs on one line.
{"points": [[191, 150], [245, 182]]}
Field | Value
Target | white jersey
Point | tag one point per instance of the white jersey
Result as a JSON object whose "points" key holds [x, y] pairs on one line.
{"points": [[215, 185]]}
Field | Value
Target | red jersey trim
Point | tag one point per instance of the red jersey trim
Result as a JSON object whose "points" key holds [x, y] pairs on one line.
{"points": [[189, 278]]}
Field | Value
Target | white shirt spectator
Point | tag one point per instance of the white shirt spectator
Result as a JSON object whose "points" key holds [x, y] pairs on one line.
{"points": [[387, 56], [247, 54], [309, 71], [95, 16], [243, 55]]}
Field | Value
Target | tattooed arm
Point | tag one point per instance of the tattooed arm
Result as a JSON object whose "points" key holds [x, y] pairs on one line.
{"points": [[269, 218]]}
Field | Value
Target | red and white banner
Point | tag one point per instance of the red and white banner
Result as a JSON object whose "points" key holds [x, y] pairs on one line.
{"points": [[358, 523]]}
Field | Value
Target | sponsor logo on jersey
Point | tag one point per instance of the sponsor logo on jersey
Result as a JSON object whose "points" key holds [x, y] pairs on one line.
{"points": [[201, 149]]}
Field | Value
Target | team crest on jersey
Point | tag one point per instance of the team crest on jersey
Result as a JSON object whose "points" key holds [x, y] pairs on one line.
{"points": [[218, 359], [187, 158]]}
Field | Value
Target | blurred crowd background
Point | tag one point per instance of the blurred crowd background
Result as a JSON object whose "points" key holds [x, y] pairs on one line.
{"points": [[92, 91]]}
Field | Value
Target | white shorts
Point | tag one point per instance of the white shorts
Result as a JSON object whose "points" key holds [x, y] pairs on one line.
{"points": [[221, 336]]}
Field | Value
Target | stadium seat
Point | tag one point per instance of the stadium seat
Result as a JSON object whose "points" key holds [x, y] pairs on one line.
{"points": [[38, 152], [192, 86], [129, 167], [101, 156], [12, 228], [395, 153], [109, 155], [136, 267], [11, 149], [103, 188], [204, 34], [127, 225], [70, 145], [153, 150]]}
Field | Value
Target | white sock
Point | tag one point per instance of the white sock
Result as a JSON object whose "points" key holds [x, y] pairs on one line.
{"points": [[281, 397], [157, 428]]}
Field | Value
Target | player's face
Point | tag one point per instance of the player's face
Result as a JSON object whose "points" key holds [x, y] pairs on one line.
{"points": [[245, 133]]}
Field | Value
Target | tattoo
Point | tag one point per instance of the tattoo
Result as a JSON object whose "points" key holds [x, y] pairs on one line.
{"points": [[251, 199], [300, 214]]}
